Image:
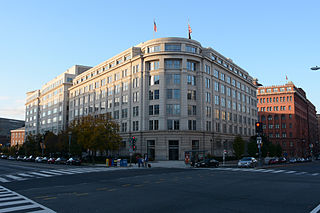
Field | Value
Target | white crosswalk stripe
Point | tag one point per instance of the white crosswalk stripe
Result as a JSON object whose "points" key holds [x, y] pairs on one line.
{"points": [[270, 171], [51, 173], [15, 202]]}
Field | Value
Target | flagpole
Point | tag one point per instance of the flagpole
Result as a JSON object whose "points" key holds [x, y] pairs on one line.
{"points": [[153, 28]]}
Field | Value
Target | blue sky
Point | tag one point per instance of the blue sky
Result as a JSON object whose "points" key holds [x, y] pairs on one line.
{"points": [[41, 39]]}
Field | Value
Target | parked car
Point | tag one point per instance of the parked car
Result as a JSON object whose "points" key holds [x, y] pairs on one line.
{"points": [[60, 161], [207, 163], [73, 161], [38, 160], [247, 162], [11, 158], [30, 159], [300, 160], [4, 157], [274, 161], [51, 160], [25, 158], [292, 160], [44, 160], [20, 158], [282, 160]]}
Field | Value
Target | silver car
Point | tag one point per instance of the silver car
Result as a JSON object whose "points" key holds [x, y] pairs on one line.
{"points": [[247, 162]]}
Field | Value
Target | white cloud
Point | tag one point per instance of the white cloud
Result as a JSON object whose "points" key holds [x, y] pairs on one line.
{"points": [[4, 98], [13, 113]]}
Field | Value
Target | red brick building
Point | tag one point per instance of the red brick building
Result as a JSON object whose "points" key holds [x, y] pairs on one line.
{"points": [[288, 118], [17, 136]]}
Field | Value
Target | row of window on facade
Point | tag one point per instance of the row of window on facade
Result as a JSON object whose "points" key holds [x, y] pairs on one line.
{"points": [[276, 126], [155, 79], [275, 99], [174, 124], [54, 85], [275, 117], [270, 90], [275, 108]]}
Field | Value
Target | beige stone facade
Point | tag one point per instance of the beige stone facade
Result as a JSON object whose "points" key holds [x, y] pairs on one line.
{"points": [[173, 95], [47, 108]]}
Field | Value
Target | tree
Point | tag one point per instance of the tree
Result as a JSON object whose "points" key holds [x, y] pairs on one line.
{"points": [[50, 142], [252, 148], [96, 133], [238, 146]]}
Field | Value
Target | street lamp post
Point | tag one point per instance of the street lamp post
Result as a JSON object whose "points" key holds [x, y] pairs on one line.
{"points": [[70, 135]]}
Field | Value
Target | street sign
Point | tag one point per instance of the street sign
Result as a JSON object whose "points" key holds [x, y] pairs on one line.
{"points": [[259, 140]]}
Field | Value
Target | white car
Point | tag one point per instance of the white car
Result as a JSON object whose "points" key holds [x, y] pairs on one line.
{"points": [[247, 162]]}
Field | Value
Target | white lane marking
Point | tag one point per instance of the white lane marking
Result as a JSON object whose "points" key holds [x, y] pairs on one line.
{"points": [[15, 177], [268, 170], [315, 174], [3, 192], [315, 210], [51, 173], [18, 199], [9, 198], [3, 180], [300, 173], [278, 171], [40, 174], [13, 202], [68, 173], [5, 195], [290, 172], [24, 207], [25, 175]]}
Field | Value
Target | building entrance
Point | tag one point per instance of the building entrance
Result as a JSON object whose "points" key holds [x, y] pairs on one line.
{"points": [[173, 150]]}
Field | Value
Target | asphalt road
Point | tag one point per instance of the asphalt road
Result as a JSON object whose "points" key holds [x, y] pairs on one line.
{"points": [[289, 188]]}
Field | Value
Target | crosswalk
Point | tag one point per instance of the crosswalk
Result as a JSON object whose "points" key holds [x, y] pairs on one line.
{"points": [[270, 171], [13, 202], [51, 173]]}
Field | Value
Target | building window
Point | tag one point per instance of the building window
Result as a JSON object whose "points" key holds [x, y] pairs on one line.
{"points": [[191, 49], [153, 65], [191, 95], [172, 64], [124, 113], [192, 66], [135, 111], [192, 124], [191, 80], [153, 49], [173, 124], [192, 110], [124, 127], [173, 109], [135, 125], [173, 93], [172, 47]]}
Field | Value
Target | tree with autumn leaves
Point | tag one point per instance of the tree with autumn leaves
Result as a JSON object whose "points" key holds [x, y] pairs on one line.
{"points": [[88, 134], [96, 133]]}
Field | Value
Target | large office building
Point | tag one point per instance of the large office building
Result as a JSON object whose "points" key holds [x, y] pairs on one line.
{"points": [[173, 95], [47, 108], [288, 118]]}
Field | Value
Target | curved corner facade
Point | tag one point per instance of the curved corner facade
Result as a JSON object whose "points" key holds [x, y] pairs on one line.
{"points": [[173, 95]]}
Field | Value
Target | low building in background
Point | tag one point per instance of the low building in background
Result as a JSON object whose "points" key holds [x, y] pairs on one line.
{"points": [[6, 125], [17, 136], [288, 118]]}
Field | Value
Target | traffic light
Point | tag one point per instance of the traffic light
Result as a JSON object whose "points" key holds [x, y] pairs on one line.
{"points": [[134, 143], [259, 129]]}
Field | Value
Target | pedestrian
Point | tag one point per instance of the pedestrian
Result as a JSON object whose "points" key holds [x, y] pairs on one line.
{"points": [[146, 160], [142, 161], [139, 161]]}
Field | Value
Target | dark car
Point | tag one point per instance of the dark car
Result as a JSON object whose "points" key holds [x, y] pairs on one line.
{"points": [[60, 161], [207, 163], [11, 158], [73, 161], [4, 157], [51, 160], [25, 158]]}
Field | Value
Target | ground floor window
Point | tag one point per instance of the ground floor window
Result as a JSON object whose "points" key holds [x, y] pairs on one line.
{"points": [[173, 150]]}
